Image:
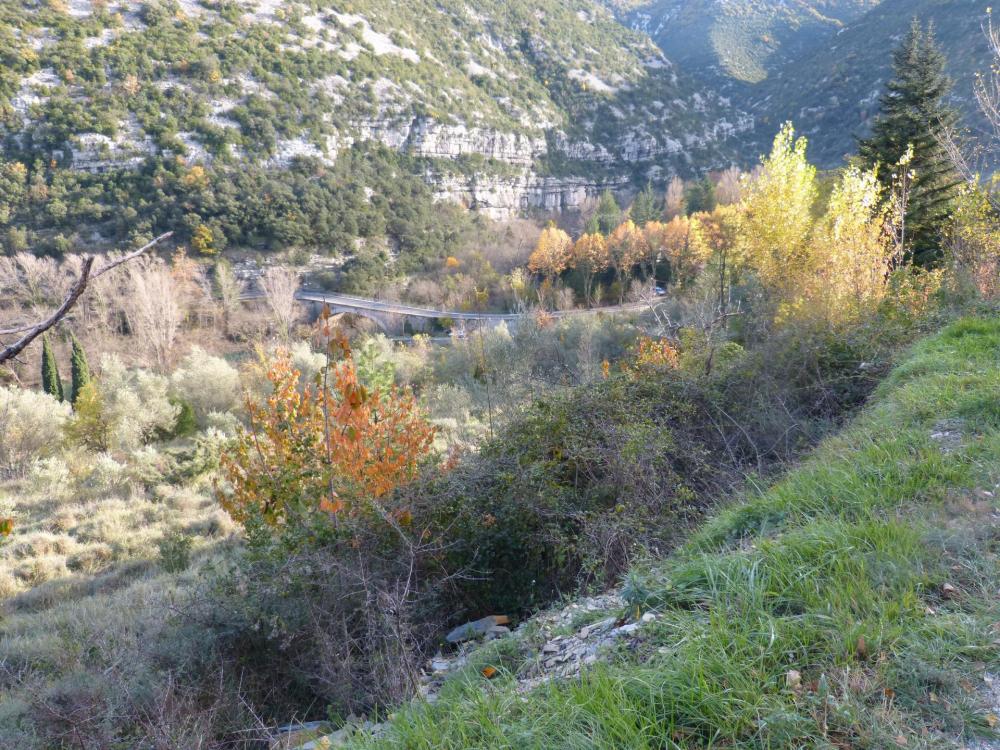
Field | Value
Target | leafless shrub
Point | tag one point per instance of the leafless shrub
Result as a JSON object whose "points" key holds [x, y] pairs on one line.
{"points": [[353, 617], [280, 285], [973, 157], [674, 203], [510, 245], [425, 292], [153, 309], [230, 289], [987, 87], [564, 299], [728, 188], [38, 275]]}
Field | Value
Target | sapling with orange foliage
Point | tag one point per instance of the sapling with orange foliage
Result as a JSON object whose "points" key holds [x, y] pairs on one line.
{"points": [[652, 355], [331, 447]]}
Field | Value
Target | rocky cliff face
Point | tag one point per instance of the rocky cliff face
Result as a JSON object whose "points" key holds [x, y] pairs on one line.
{"points": [[526, 87], [501, 197], [500, 194], [425, 137]]}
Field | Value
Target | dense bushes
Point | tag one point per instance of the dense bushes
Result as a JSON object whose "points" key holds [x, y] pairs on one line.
{"points": [[571, 489], [566, 494], [370, 192], [31, 426]]}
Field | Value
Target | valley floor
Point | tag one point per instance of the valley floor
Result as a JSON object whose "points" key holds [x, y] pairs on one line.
{"points": [[854, 604]]}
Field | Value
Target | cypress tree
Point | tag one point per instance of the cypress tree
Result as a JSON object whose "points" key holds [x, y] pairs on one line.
{"points": [[913, 112], [51, 382], [81, 370]]}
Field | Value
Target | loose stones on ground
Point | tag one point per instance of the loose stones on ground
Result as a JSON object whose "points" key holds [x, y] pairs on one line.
{"points": [[561, 655]]}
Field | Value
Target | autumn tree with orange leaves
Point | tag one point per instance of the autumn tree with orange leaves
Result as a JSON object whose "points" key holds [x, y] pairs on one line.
{"points": [[626, 247], [552, 252], [333, 447], [590, 257]]}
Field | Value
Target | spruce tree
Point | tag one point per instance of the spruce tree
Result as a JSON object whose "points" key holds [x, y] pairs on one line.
{"points": [[81, 370], [644, 208], [914, 112], [51, 382]]}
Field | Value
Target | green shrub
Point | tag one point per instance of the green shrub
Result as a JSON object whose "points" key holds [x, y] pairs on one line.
{"points": [[175, 551]]}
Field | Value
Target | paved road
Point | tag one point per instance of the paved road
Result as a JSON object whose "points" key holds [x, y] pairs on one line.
{"points": [[361, 304]]}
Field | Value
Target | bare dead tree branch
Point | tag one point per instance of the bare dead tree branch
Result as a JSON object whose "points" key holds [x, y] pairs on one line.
{"points": [[973, 160], [31, 332], [987, 86]]}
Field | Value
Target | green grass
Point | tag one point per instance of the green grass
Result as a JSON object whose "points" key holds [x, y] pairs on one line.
{"points": [[871, 571]]}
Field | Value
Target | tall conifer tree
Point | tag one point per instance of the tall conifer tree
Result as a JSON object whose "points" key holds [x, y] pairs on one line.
{"points": [[608, 213], [51, 382], [700, 196], [81, 370], [644, 208], [914, 112]]}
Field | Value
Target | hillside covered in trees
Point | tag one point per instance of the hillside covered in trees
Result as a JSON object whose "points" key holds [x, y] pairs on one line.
{"points": [[723, 474], [742, 41], [119, 123], [103, 104]]}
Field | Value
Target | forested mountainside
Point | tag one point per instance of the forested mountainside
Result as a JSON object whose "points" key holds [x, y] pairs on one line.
{"points": [[738, 39], [834, 87], [270, 124], [275, 79], [819, 64], [97, 85]]}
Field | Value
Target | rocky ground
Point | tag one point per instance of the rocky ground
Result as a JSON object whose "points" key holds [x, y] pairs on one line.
{"points": [[558, 644]]}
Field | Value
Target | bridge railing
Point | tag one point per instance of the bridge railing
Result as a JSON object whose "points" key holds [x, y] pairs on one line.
{"points": [[361, 303]]}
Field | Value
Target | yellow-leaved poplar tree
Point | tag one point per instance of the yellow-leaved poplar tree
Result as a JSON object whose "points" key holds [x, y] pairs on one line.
{"points": [[590, 257], [776, 218], [678, 241], [552, 252], [853, 248], [626, 248], [718, 248], [973, 241]]}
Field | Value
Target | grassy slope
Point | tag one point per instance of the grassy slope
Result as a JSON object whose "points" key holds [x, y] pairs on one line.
{"points": [[871, 571]]}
